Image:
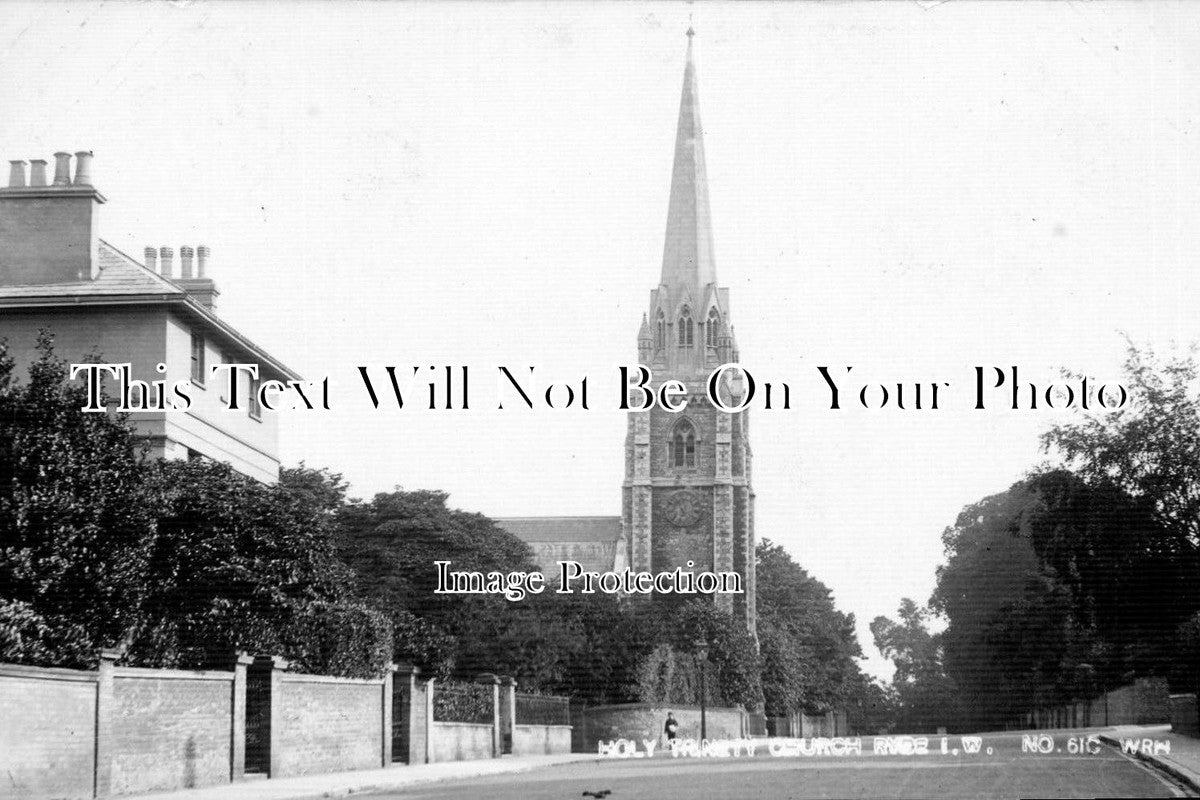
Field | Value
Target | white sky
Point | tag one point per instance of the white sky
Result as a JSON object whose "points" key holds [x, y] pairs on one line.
{"points": [[910, 189]]}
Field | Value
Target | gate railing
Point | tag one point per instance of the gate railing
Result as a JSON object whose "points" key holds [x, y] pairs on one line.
{"points": [[537, 709], [463, 702]]}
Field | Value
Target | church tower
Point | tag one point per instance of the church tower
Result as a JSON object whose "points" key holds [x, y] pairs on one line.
{"points": [[687, 494]]}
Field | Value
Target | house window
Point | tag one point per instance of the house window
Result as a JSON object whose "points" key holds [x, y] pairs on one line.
{"points": [[711, 327], [681, 449], [198, 359], [253, 405], [660, 331], [685, 329]]}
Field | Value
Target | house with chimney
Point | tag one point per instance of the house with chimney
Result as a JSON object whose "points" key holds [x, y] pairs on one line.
{"points": [[57, 274]]}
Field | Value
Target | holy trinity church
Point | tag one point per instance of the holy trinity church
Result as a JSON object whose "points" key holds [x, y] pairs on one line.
{"points": [[686, 494]]}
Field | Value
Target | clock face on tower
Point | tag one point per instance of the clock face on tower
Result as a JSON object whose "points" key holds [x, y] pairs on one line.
{"points": [[683, 508]]}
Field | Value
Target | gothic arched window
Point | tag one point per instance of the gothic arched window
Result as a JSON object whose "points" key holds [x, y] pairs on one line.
{"points": [[711, 327], [681, 449], [660, 330], [685, 328]]}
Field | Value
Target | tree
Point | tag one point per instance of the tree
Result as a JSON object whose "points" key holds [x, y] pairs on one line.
{"points": [[872, 707], [808, 647], [1150, 449], [671, 671], [1010, 628], [926, 697], [392, 542], [178, 563], [76, 517], [1049, 576], [588, 646], [1148, 455], [236, 564], [1128, 585]]}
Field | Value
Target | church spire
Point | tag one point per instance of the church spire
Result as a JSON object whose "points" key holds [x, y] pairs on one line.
{"points": [[688, 252]]}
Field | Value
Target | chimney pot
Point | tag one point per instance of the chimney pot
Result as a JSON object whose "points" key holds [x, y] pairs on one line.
{"points": [[37, 172], [16, 174], [167, 256], [202, 254], [152, 258], [83, 168], [62, 169], [185, 262]]}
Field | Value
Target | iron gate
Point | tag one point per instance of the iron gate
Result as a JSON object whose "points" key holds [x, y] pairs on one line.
{"points": [[258, 720]]}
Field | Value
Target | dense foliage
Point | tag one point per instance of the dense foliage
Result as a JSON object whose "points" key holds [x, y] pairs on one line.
{"points": [[1053, 589], [1082, 576], [808, 647], [922, 697], [77, 520], [594, 647], [671, 672], [177, 563]]}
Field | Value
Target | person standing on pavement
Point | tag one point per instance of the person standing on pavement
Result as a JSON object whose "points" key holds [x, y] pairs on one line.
{"points": [[669, 728]]}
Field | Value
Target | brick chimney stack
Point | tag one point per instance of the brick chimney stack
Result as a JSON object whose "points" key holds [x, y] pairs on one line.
{"points": [[197, 284], [152, 259], [48, 232]]}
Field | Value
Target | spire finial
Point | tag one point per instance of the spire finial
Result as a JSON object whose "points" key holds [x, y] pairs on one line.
{"points": [[691, 31]]}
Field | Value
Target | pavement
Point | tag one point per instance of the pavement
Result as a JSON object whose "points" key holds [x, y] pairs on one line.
{"points": [[341, 784], [1182, 762]]}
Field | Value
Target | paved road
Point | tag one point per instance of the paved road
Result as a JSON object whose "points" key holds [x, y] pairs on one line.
{"points": [[1006, 772]]}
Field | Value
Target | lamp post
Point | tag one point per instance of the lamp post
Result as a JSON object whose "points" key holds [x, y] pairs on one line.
{"points": [[701, 649], [1087, 687]]}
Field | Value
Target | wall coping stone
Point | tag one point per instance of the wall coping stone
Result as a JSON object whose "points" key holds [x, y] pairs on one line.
{"points": [[303, 677], [171, 674], [47, 673]]}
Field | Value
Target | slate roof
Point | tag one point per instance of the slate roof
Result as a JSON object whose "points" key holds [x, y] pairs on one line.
{"points": [[119, 275], [563, 529], [122, 280]]}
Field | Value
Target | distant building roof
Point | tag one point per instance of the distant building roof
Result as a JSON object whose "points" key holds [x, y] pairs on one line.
{"points": [[121, 280], [563, 529]]}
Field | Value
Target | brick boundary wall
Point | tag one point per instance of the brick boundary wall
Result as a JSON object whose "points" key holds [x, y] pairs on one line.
{"points": [[169, 730], [48, 735], [118, 730], [460, 741], [1146, 701], [75, 734], [1185, 715], [332, 724], [537, 740]]}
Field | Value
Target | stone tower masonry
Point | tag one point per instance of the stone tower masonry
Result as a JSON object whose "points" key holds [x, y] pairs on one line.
{"points": [[687, 494]]}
